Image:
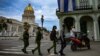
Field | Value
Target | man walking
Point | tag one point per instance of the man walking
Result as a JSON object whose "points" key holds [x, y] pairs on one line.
{"points": [[53, 39], [64, 41], [38, 41], [26, 37]]}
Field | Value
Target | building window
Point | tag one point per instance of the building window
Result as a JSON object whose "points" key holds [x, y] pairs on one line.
{"points": [[84, 5], [99, 4]]}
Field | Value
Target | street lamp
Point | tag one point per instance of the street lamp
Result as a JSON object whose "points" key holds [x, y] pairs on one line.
{"points": [[42, 20]]}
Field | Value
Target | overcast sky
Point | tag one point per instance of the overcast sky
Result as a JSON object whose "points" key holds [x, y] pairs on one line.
{"points": [[14, 9]]}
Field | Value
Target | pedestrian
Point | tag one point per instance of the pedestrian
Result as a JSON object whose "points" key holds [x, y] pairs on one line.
{"points": [[64, 40], [38, 41], [26, 37], [53, 39], [25, 40], [73, 32]]}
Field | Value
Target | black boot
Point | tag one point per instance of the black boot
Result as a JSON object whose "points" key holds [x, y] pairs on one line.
{"points": [[23, 50], [32, 51], [62, 54], [40, 54], [55, 53], [48, 50]]}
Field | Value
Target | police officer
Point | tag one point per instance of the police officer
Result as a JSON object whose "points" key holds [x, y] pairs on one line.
{"points": [[26, 37], [38, 41], [25, 40], [64, 41], [53, 39]]}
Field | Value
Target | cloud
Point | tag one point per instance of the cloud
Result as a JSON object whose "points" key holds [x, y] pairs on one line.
{"points": [[15, 9], [49, 23], [45, 6]]}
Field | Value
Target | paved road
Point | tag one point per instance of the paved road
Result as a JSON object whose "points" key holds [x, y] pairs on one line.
{"points": [[13, 48]]}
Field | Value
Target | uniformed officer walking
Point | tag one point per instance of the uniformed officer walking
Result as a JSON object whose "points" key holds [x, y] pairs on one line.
{"points": [[26, 37], [53, 39], [38, 41]]}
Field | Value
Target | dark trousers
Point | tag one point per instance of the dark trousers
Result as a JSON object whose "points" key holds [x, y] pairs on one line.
{"points": [[26, 43], [63, 44], [38, 47], [53, 46]]}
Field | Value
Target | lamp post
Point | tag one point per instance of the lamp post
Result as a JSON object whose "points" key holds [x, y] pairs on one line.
{"points": [[42, 20]]}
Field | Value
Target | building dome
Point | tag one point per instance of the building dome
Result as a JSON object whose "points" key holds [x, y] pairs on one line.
{"points": [[28, 15], [29, 8]]}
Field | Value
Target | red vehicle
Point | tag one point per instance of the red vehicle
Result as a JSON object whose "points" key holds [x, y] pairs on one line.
{"points": [[80, 41]]}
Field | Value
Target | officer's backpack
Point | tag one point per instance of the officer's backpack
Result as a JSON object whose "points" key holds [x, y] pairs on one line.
{"points": [[51, 35]]}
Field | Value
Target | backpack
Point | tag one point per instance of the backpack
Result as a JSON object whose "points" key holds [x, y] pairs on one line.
{"points": [[51, 36]]}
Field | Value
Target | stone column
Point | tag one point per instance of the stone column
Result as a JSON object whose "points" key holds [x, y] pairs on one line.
{"points": [[95, 4], [17, 30], [60, 24], [77, 24], [96, 30], [31, 30], [77, 3], [61, 5], [10, 31]]}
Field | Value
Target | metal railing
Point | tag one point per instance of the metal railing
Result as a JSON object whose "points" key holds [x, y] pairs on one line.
{"points": [[87, 7]]}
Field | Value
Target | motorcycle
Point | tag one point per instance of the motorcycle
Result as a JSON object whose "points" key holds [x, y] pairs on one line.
{"points": [[80, 41]]}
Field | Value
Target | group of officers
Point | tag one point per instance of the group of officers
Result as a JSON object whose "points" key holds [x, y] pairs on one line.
{"points": [[39, 36]]}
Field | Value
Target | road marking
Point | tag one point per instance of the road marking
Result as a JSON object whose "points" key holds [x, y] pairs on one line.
{"points": [[17, 49], [11, 52]]}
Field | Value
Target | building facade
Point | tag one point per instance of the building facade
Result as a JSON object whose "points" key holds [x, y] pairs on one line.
{"points": [[15, 28], [83, 14], [29, 17]]}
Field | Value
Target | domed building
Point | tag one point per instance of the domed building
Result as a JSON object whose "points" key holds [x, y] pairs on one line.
{"points": [[16, 27], [29, 17]]}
